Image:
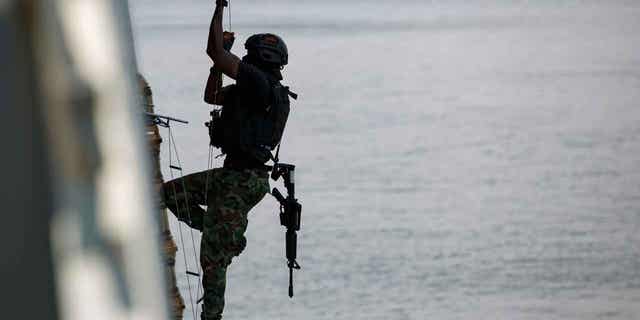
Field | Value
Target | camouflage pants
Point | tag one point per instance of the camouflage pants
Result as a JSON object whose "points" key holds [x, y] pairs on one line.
{"points": [[230, 194]]}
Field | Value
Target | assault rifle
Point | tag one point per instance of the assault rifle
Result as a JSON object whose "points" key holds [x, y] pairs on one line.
{"points": [[290, 213]]}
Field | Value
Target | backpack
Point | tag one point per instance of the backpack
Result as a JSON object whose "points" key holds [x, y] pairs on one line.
{"points": [[250, 129]]}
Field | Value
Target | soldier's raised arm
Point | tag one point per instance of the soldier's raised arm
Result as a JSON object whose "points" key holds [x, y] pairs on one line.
{"points": [[224, 60]]}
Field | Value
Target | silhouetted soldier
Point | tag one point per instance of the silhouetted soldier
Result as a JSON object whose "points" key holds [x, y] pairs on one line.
{"points": [[252, 121]]}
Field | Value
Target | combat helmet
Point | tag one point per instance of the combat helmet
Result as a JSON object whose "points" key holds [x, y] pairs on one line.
{"points": [[268, 49]]}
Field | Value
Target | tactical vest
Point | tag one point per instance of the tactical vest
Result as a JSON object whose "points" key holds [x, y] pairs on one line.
{"points": [[248, 129]]}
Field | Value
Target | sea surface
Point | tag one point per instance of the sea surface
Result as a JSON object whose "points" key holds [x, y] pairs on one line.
{"points": [[455, 159]]}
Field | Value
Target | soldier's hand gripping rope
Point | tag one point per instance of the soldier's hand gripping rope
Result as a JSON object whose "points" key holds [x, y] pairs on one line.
{"points": [[214, 92], [290, 214]]}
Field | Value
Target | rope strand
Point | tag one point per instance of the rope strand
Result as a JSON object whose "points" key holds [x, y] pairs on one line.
{"points": [[175, 195], [186, 196], [229, 4]]}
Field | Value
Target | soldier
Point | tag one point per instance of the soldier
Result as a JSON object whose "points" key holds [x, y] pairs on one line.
{"points": [[254, 114]]}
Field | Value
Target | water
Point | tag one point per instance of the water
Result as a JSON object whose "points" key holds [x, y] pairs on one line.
{"points": [[457, 160]]}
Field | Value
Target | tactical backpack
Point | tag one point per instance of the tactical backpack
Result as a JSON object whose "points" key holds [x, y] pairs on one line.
{"points": [[251, 129]]}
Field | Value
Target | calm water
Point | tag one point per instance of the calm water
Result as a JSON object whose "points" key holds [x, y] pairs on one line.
{"points": [[456, 160]]}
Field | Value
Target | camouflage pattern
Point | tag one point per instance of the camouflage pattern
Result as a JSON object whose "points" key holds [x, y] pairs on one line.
{"points": [[229, 196]]}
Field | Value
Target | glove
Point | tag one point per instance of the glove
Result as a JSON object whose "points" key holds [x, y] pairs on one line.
{"points": [[227, 40]]}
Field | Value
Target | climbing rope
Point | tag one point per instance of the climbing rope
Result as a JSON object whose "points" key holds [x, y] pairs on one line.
{"points": [[210, 158], [206, 201], [229, 10], [193, 299], [173, 149]]}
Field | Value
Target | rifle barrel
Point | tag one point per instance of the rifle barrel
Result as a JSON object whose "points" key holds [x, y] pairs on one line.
{"points": [[290, 282]]}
